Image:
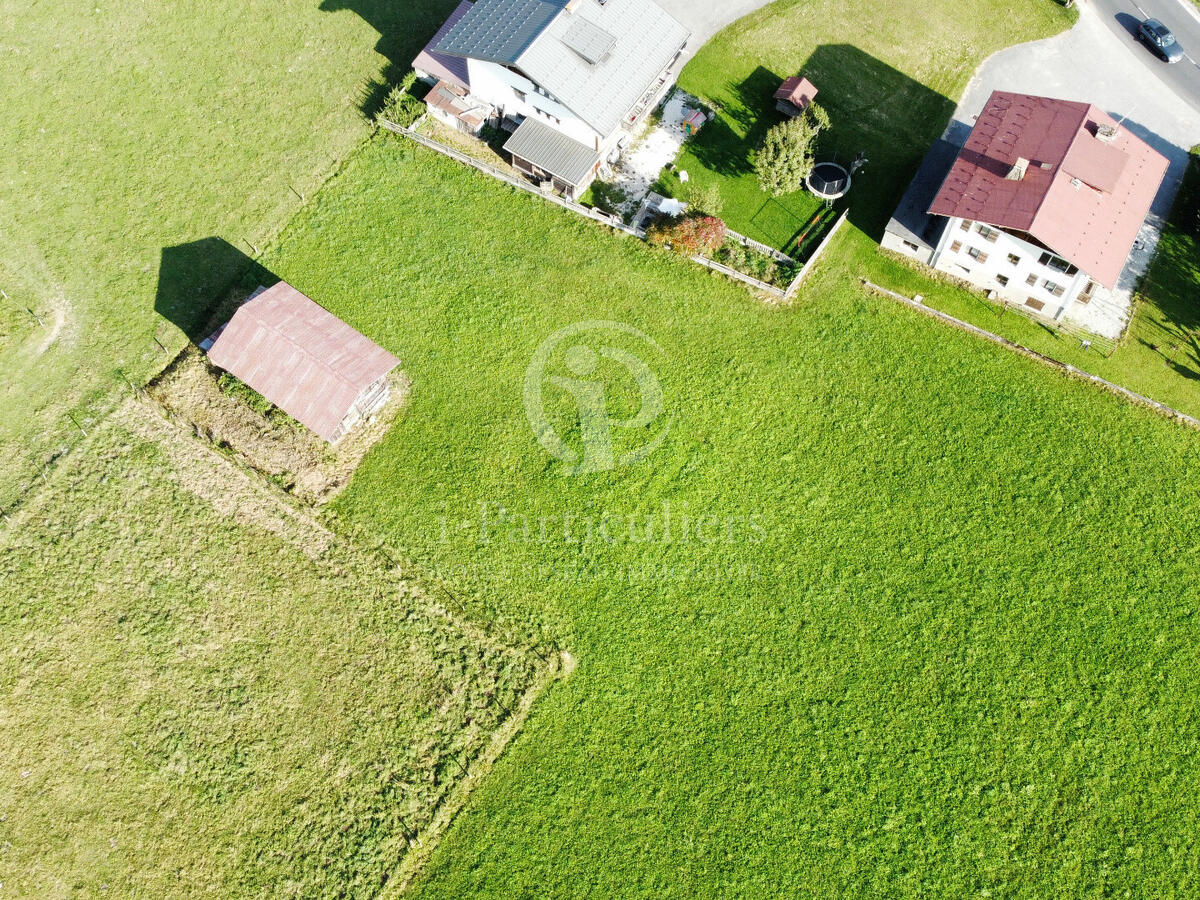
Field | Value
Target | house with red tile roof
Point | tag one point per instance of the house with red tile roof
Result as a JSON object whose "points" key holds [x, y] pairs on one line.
{"points": [[305, 360], [1041, 207]]}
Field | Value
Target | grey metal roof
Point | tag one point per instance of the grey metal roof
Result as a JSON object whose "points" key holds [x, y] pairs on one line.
{"points": [[912, 221], [552, 151], [588, 39], [499, 30], [597, 58], [644, 41], [447, 68]]}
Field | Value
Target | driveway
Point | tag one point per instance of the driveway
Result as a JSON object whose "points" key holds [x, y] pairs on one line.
{"points": [[1101, 65], [704, 18]]}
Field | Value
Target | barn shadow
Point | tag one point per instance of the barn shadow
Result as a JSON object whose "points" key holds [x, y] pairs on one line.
{"points": [[404, 27], [197, 282]]}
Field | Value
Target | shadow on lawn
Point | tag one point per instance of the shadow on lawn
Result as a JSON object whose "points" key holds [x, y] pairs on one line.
{"points": [[875, 109], [195, 281], [404, 27], [1170, 323]]}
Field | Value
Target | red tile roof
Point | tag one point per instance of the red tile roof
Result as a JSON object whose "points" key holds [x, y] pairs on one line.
{"points": [[1083, 197], [305, 360], [797, 91], [440, 65]]}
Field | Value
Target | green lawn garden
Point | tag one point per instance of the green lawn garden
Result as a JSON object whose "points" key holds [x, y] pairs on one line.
{"points": [[946, 643]]}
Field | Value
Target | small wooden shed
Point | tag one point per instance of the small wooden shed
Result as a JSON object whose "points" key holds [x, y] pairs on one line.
{"points": [[794, 96], [305, 360]]}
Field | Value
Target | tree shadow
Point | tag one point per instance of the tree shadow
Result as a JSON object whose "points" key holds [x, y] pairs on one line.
{"points": [[404, 27], [198, 281]]}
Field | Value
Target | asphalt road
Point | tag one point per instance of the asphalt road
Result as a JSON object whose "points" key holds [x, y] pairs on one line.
{"points": [[1182, 17]]}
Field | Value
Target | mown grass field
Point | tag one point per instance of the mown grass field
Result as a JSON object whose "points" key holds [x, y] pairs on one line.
{"points": [[944, 643], [234, 704], [133, 127]]}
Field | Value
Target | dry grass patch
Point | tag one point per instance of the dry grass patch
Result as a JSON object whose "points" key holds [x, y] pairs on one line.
{"points": [[269, 441]]}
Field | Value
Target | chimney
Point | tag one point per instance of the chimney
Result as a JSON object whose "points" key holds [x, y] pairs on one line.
{"points": [[1107, 133], [1017, 172]]}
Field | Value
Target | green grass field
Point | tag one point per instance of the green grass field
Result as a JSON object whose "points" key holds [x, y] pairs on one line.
{"points": [[946, 642], [201, 121], [234, 704]]}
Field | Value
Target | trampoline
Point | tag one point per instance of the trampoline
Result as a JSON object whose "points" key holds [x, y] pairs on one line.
{"points": [[828, 180]]}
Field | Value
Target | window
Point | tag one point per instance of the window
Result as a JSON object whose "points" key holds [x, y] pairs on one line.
{"points": [[1085, 295], [1057, 263], [1034, 303], [1031, 280], [988, 234], [956, 246], [911, 246], [977, 255], [1013, 259], [521, 95], [1055, 289], [965, 225], [1002, 280]]}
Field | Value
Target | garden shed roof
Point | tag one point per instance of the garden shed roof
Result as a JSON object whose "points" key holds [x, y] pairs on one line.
{"points": [[552, 151], [302, 358]]}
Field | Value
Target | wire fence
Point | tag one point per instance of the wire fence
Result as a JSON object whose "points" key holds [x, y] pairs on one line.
{"points": [[1067, 368]]}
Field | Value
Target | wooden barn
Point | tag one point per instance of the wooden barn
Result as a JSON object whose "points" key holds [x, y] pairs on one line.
{"points": [[305, 360]]}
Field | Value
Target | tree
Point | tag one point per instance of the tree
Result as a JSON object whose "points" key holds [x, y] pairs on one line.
{"points": [[786, 156], [688, 234], [705, 199]]}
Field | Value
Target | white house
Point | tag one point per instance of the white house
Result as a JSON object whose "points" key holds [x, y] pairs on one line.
{"points": [[1041, 207], [569, 78]]}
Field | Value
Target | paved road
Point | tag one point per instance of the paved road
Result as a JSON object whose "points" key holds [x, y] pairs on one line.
{"points": [[1182, 17], [704, 18]]}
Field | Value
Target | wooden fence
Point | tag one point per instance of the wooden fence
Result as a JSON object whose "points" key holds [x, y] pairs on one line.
{"points": [[519, 183], [1067, 368], [739, 276], [618, 223], [800, 276], [751, 243]]}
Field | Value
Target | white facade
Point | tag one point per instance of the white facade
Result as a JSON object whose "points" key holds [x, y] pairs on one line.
{"points": [[517, 96], [1018, 271]]}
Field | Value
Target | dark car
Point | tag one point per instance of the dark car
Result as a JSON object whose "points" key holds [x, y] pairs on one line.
{"points": [[1157, 36]]}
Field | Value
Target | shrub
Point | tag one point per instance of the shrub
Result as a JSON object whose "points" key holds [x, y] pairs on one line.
{"points": [[688, 234], [401, 107], [706, 199], [786, 156]]}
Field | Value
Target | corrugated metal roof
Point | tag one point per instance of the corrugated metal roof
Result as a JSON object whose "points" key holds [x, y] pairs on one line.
{"points": [[452, 69], [645, 40], [1084, 198], [302, 358], [588, 39], [499, 30], [597, 59], [552, 151]]}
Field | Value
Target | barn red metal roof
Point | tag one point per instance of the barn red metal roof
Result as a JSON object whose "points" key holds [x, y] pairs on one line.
{"points": [[797, 91], [1083, 196], [302, 358]]}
